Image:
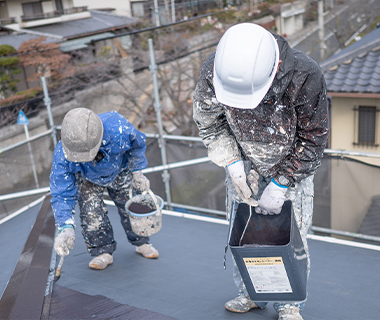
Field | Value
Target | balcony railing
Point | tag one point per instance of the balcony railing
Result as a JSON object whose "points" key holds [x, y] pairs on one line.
{"points": [[6, 21], [47, 15]]}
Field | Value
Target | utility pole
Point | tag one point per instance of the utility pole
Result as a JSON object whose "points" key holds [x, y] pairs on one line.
{"points": [[156, 13], [173, 11], [321, 30]]}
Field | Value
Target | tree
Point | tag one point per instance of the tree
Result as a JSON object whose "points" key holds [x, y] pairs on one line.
{"points": [[46, 58], [8, 68]]}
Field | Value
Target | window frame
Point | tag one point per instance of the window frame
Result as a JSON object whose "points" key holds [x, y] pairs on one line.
{"points": [[366, 137]]}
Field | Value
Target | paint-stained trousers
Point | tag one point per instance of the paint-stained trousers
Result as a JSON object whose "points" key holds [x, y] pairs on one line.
{"points": [[96, 227], [302, 199]]}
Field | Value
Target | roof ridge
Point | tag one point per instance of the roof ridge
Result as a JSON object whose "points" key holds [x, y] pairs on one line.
{"points": [[350, 55]]}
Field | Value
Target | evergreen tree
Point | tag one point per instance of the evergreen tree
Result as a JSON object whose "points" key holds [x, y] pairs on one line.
{"points": [[8, 68]]}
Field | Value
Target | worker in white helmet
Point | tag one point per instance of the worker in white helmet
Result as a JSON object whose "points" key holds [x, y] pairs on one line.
{"points": [[97, 153], [261, 110]]}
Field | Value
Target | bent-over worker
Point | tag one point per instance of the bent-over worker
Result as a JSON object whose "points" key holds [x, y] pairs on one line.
{"points": [[261, 110], [97, 153]]}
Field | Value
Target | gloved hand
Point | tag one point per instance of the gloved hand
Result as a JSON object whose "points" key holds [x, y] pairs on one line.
{"points": [[64, 241], [272, 199], [239, 180], [140, 182], [253, 179]]}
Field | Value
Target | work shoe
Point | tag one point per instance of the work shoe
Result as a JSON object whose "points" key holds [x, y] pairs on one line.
{"points": [[101, 262], [290, 314], [147, 251], [240, 304]]}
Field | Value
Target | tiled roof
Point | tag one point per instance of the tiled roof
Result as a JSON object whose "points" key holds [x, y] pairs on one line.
{"points": [[361, 74], [356, 68]]}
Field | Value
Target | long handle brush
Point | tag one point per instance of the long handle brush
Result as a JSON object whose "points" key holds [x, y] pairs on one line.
{"points": [[59, 268], [245, 229]]}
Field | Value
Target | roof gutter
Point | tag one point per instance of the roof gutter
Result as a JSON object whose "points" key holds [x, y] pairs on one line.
{"points": [[354, 95]]}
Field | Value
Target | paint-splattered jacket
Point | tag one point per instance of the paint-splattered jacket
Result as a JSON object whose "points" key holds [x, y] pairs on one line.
{"points": [[123, 147], [284, 135]]}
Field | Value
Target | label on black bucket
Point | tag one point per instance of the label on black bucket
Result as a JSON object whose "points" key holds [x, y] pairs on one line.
{"points": [[268, 275]]}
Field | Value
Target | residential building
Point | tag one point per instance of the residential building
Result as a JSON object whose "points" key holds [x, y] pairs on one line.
{"points": [[353, 83]]}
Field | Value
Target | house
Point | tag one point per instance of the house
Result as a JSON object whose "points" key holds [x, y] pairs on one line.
{"points": [[353, 83], [289, 19], [61, 22]]}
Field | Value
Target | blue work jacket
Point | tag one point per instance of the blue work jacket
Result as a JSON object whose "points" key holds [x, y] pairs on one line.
{"points": [[123, 147]]}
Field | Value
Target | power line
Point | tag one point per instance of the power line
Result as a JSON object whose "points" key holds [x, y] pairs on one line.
{"points": [[118, 35]]}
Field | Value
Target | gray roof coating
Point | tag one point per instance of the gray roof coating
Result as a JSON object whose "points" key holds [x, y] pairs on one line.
{"points": [[99, 22], [187, 281], [356, 68]]}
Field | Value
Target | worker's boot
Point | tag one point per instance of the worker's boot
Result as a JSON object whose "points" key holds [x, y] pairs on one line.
{"points": [[290, 314], [147, 251], [101, 262], [240, 304]]}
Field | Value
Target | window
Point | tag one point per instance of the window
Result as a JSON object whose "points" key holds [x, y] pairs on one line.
{"points": [[367, 126], [32, 8], [137, 9]]}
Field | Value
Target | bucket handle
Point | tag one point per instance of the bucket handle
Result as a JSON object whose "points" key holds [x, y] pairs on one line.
{"points": [[152, 196]]}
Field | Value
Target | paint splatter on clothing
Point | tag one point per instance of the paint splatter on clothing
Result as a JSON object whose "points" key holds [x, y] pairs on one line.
{"points": [[96, 227], [123, 148], [284, 135]]}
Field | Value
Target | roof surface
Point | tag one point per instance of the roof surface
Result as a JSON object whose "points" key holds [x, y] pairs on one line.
{"points": [[356, 68], [188, 281], [17, 38], [99, 22]]}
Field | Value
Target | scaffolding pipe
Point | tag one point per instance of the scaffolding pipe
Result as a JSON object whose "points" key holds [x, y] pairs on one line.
{"points": [[222, 214], [346, 234], [31, 156], [351, 153], [176, 165], [18, 144], [24, 193], [157, 107], [47, 102], [174, 137]]}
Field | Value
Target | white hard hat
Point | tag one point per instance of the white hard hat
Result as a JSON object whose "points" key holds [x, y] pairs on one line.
{"points": [[245, 65], [82, 134]]}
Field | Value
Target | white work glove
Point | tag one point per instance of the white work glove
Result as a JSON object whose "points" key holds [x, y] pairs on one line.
{"points": [[140, 182], [272, 199], [64, 241], [239, 180]]}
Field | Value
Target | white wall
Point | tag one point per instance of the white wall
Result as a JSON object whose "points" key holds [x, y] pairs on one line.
{"points": [[343, 121], [352, 187], [15, 9], [121, 7]]}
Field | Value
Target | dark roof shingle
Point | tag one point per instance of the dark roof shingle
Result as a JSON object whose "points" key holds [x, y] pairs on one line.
{"points": [[360, 74]]}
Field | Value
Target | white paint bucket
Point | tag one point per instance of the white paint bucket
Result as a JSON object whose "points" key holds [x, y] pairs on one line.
{"points": [[145, 213]]}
